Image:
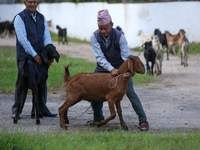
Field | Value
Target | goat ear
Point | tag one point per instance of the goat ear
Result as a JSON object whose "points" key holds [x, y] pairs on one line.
{"points": [[130, 65], [58, 56], [45, 56]]}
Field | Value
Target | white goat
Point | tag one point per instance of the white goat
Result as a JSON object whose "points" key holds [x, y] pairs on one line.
{"points": [[184, 47], [144, 38], [159, 54]]}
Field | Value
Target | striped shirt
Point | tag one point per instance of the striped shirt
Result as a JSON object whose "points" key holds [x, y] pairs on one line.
{"points": [[101, 59], [22, 35]]}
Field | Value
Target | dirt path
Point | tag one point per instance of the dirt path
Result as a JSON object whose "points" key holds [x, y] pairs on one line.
{"points": [[171, 104]]}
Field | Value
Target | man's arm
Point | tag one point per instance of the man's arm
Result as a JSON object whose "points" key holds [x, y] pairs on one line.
{"points": [[125, 52], [47, 36], [101, 60], [22, 36]]}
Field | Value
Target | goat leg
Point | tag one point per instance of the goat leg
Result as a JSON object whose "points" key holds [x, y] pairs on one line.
{"points": [[112, 112], [15, 120], [63, 113], [186, 61], [19, 98], [119, 111], [37, 113], [62, 121], [33, 107], [168, 53]]}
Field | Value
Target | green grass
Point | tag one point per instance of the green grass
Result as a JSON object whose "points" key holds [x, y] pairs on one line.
{"points": [[8, 72], [88, 140]]}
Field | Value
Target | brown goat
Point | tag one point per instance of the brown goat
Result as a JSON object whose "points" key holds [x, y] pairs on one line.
{"points": [[184, 47], [171, 41], [99, 87]]}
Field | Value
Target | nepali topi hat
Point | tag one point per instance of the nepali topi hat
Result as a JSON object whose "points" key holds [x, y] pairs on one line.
{"points": [[103, 17]]}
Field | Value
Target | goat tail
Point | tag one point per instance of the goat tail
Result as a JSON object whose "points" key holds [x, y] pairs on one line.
{"points": [[67, 74]]}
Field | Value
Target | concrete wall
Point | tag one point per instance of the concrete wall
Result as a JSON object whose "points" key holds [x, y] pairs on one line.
{"points": [[81, 18]]}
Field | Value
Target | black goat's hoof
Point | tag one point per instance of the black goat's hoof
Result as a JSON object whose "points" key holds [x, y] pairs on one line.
{"points": [[40, 115], [32, 115], [15, 120], [37, 122]]}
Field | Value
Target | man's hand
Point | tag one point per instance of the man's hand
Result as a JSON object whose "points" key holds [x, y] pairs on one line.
{"points": [[38, 59], [115, 72], [50, 62], [128, 75]]}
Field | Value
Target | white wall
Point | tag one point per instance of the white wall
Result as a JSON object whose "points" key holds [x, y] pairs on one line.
{"points": [[81, 18]]}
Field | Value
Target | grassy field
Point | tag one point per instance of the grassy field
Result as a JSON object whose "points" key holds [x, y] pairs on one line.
{"points": [[8, 73], [118, 140]]}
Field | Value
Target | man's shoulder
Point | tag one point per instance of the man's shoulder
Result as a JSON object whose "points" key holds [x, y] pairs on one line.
{"points": [[117, 31], [40, 14], [96, 31]]}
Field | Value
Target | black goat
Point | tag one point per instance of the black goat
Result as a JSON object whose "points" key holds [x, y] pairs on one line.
{"points": [[11, 29], [162, 38], [33, 76], [62, 33], [120, 29], [7, 27], [150, 56], [3, 28]]}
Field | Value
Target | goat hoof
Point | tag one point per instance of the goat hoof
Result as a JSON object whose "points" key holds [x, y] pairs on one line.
{"points": [[37, 122], [124, 126], [67, 122], [99, 124], [15, 120], [32, 115], [65, 127]]}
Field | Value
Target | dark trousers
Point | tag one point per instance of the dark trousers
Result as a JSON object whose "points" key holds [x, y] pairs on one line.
{"points": [[42, 94], [135, 101]]}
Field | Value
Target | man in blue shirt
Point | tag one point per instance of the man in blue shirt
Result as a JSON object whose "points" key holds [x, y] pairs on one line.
{"points": [[32, 35], [110, 49]]}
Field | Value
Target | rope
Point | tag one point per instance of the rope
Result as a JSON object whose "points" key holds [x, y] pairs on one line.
{"points": [[115, 82], [83, 112]]}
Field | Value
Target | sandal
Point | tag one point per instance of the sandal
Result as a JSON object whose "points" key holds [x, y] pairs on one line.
{"points": [[92, 122], [144, 126]]}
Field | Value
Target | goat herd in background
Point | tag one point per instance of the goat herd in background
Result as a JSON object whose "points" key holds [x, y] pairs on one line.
{"points": [[154, 44]]}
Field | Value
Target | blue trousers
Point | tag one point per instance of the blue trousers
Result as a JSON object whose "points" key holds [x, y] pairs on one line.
{"points": [[135, 101]]}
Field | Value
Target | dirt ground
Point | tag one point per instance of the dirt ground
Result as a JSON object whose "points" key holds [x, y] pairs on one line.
{"points": [[172, 104]]}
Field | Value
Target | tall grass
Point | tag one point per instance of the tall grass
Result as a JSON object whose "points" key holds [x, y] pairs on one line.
{"points": [[117, 140], [8, 72]]}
